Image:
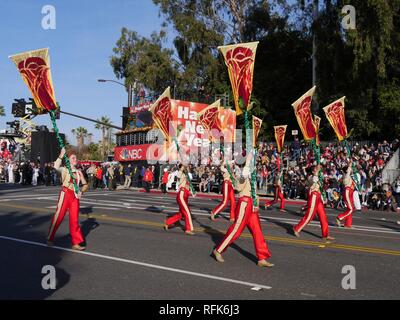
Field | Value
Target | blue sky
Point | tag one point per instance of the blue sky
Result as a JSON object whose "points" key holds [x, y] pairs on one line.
{"points": [[80, 48]]}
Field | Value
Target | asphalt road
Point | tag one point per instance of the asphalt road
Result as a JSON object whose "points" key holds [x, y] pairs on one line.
{"points": [[130, 256]]}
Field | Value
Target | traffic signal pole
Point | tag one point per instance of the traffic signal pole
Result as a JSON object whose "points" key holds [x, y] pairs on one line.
{"points": [[91, 120]]}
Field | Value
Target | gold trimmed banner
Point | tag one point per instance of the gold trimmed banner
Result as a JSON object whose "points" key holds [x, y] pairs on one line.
{"points": [[210, 119], [336, 117], [280, 132], [162, 113], [302, 110], [317, 124], [240, 59], [34, 67], [257, 123]]}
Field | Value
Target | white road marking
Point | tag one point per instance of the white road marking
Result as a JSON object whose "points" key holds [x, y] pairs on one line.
{"points": [[143, 264], [146, 204]]}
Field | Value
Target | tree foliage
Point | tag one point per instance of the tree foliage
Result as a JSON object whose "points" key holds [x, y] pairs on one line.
{"points": [[361, 64]]}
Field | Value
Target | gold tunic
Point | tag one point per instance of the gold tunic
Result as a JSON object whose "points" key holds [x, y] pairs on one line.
{"points": [[66, 178]]}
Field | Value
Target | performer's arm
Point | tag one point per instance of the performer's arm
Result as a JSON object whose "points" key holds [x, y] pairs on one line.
{"points": [[58, 162], [85, 186]]}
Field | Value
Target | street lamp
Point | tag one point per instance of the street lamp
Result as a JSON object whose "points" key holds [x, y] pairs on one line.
{"points": [[128, 88]]}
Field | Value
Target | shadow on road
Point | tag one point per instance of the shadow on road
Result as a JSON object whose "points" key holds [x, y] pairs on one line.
{"points": [[21, 267]]}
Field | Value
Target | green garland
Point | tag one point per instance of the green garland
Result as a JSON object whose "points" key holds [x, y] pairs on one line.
{"points": [[228, 167], [187, 173], [355, 170], [317, 153], [253, 173], [61, 144]]}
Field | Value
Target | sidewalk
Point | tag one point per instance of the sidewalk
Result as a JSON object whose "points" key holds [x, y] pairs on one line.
{"points": [[172, 193]]}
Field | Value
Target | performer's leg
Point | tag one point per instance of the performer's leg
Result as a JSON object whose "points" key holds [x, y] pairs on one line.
{"points": [[74, 228], [232, 201], [185, 211], [175, 218], [282, 198], [323, 220], [58, 217], [224, 202], [310, 214], [275, 200], [243, 210], [347, 215], [260, 245]]}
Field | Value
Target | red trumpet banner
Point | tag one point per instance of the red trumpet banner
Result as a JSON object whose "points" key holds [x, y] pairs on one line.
{"points": [[257, 123], [34, 67], [336, 117], [240, 59], [280, 133], [302, 110]]}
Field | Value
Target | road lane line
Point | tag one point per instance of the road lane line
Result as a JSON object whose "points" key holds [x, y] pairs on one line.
{"points": [[285, 240], [142, 264]]}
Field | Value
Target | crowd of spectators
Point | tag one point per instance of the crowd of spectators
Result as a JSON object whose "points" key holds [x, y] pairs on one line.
{"points": [[297, 159]]}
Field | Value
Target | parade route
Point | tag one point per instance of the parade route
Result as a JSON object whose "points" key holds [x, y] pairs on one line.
{"points": [[130, 256]]}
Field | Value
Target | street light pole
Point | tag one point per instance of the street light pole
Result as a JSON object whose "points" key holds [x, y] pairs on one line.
{"points": [[127, 87]]}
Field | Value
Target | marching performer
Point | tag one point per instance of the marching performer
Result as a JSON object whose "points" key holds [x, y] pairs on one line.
{"points": [[182, 199], [68, 201], [246, 216], [315, 206], [348, 196], [278, 194], [228, 195]]}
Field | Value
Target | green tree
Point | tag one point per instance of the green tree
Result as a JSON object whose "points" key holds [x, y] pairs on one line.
{"points": [[143, 59], [105, 134], [80, 134]]}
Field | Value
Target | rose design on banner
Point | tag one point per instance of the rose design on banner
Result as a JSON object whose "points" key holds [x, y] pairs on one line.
{"points": [[257, 123], [240, 60], [210, 119], [162, 114], [34, 67], [280, 133], [336, 117], [302, 109]]}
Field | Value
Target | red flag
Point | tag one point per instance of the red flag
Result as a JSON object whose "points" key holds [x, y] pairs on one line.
{"points": [[302, 110], [162, 113], [240, 59], [280, 132], [34, 67], [335, 114]]}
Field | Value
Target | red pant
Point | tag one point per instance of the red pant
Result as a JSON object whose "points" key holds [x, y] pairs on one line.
{"points": [[278, 195], [349, 200], [67, 202], [184, 212], [314, 206], [245, 217], [228, 194]]}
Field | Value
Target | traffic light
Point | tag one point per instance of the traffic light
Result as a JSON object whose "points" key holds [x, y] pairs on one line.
{"points": [[18, 108]]}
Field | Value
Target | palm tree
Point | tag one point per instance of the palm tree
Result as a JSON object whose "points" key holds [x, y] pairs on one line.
{"points": [[105, 133], [80, 133], [2, 112]]}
